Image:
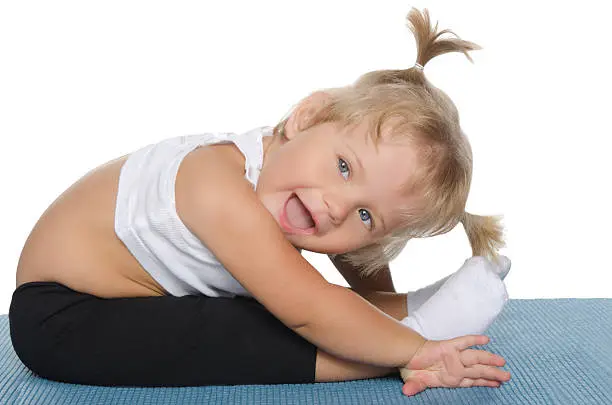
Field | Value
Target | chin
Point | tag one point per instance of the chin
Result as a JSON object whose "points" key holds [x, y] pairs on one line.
{"points": [[299, 243]]}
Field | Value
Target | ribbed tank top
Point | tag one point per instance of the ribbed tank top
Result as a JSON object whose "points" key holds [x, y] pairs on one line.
{"points": [[147, 223]]}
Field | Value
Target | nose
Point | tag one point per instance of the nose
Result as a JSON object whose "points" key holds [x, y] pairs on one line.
{"points": [[338, 207]]}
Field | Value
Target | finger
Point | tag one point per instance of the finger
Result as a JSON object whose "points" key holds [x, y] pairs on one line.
{"points": [[413, 386], [463, 342], [471, 357], [479, 382], [487, 372]]}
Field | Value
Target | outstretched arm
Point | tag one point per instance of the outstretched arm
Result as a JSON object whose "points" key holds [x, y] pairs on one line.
{"points": [[380, 281], [378, 290], [220, 207]]}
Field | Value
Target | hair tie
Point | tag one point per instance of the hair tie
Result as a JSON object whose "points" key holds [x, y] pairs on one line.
{"points": [[418, 66]]}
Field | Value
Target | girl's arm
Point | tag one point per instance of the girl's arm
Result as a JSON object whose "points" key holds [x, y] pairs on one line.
{"points": [[381, 281], [377, 290], [220, 207]]}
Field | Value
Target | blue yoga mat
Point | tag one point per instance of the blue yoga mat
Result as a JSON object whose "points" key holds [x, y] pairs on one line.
{"points": [[559, 351]]}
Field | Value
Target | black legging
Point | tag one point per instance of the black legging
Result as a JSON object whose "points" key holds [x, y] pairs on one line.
{"points": [[69, 336]]}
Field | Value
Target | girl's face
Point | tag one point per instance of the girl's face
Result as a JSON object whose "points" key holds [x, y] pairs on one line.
{"points": [[330, 190]]}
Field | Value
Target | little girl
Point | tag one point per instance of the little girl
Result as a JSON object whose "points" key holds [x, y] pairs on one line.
{"points": [[177, 265]]}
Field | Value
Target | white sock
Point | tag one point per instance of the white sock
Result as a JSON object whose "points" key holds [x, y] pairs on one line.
{"points": [[467, 303], [417, 298]]}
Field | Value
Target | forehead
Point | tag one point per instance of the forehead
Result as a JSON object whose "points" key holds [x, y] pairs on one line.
{"points": [[391, 160]]}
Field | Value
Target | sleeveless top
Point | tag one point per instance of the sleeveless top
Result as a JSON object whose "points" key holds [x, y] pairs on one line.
{"points": [[147, 223]]}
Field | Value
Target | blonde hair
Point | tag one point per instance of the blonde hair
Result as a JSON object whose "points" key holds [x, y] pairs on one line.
{"points": [[407, 104]]}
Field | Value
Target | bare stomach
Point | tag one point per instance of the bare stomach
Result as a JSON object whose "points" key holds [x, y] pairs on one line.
{"points": [[74, 242]]}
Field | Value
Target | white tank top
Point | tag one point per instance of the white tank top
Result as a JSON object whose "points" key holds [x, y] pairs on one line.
{"points": [[147, 223]]}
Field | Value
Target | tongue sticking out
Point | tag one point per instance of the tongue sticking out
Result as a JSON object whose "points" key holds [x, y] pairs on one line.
{"points": [[298, 215]]}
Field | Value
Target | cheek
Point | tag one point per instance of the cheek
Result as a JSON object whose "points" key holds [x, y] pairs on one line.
{"points": [[344, 240], [307, 170]]}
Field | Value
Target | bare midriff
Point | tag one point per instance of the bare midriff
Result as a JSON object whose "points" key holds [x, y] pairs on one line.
{"points": [[74, 242]]}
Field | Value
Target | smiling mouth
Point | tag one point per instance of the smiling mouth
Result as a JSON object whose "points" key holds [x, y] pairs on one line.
{"points": [[302, 222]]}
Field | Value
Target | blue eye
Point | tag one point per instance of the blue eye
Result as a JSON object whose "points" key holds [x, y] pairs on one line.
{"points": [[345, 171], [344, 168], [365, 216]]}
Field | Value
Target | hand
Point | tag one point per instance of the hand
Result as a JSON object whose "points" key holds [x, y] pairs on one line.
{"points": [[449, 363]]}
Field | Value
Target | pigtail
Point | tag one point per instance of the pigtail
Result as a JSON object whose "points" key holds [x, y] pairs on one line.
{"points": [[428, 41], [429, 45], [485, 234]]}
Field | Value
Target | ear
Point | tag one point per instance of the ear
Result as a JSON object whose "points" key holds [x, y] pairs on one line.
{"points": [[305, 111]]}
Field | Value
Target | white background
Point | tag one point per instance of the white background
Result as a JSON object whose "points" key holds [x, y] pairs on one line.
{"points": [[82, 83]]}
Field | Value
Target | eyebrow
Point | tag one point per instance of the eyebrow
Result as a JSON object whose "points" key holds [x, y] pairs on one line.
{"points": [[383, 223], [361, 167], [355, 155]]}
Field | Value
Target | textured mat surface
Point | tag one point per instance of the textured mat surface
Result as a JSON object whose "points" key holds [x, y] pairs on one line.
{"points": [[559, 352]]}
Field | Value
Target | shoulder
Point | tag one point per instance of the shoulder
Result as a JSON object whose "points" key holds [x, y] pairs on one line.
{"points": [[226, 155], [206, 174]]}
